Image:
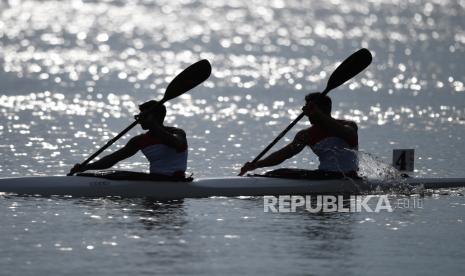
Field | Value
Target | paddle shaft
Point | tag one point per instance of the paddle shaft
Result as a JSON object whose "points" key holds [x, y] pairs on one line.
{"points": [[112, 141], [296, 120], [349, 68], [109, 143], [281, 135], [183, 82]]}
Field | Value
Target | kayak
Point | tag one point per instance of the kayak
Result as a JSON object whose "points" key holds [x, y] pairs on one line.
{"points": [[97, 186]]}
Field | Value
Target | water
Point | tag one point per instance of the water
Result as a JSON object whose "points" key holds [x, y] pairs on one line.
{"points": [[73, 72]]}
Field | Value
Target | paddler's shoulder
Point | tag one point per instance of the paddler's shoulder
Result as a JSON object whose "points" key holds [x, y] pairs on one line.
{"points": [[304, 134], [138, 140], [175, 130], [348, 123], [142, 136]]}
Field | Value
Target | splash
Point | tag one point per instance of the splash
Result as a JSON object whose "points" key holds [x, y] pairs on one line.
{"points": [[373, 169]]}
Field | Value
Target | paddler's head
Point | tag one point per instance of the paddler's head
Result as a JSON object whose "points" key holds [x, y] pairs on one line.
{"points": [[151, 112], [322, 102]]}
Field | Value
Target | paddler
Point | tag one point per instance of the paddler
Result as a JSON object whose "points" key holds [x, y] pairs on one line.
{"points": [[165, 147], [334, 141]]}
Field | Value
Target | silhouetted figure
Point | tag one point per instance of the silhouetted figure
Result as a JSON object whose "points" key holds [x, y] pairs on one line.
{"points": [[165, 147], [334, 142]]}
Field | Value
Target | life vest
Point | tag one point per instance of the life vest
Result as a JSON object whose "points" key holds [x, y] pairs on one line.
{"points": [[335, 154], [164, 159]]}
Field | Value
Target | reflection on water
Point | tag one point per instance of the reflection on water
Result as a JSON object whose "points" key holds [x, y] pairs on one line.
{"points": [[209, 235]]}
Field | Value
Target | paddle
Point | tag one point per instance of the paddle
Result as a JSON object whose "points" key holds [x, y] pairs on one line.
{"points": [[350, 67], [185, 81]]}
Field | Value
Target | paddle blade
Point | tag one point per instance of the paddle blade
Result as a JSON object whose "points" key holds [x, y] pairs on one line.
{"points": [[350, 67], [188, 79]]}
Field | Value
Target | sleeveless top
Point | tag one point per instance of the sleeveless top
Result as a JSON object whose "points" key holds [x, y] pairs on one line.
{"points": [[164, 159], [334, 153]]}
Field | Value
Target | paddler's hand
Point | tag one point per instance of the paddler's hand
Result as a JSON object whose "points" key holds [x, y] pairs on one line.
{"points": [[249, 166], [313, 112], [77, 168], [310, 109]]}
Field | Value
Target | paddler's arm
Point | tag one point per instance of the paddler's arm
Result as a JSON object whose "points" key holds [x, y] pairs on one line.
{"points": [[276, 158], [344, 131], [176, 139], [108, 161]]}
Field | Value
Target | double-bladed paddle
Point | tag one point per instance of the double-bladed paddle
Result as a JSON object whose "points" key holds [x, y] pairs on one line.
{"points": [[350, 67], [185, 81]]}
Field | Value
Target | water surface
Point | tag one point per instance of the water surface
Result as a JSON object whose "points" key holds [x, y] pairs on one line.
{"points": [[73, 72]]}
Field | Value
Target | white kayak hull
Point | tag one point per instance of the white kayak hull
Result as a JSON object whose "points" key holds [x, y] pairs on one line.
{"points": [[80, 186]]}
